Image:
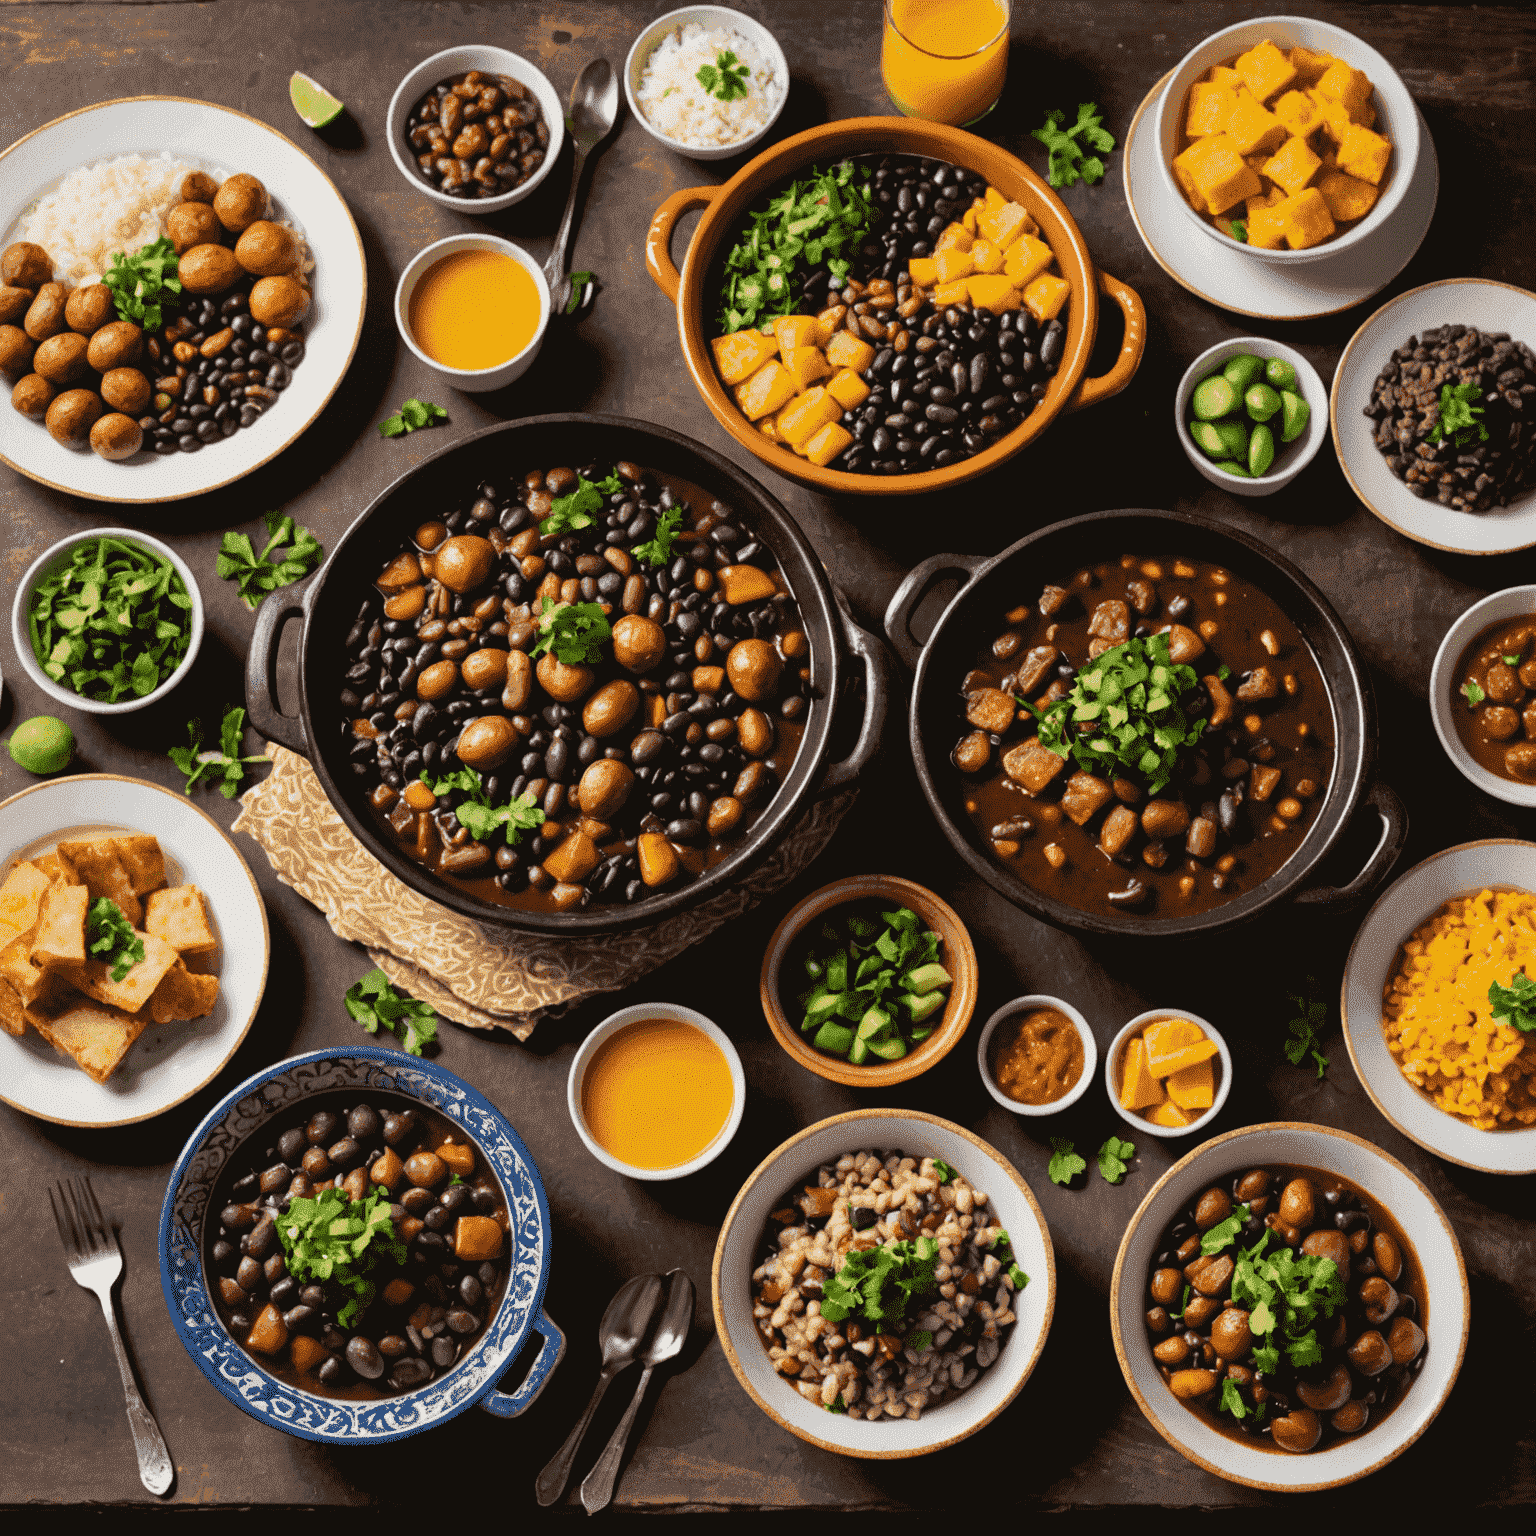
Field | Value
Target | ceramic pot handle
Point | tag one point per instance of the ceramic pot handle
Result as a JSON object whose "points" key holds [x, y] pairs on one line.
{"points": [[658, 239], [877, 689], [261, 674], [914, 588], [1092, 391], [507, 1405], [1393, 815]]}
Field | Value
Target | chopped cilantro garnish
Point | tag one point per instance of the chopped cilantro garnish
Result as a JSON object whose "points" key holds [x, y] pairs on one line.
{"points": [[332, 1238], [410, 416], [1068, 164], [1224, 1233], [226, 763], [1472, 694], [1304, 1033], [1457, 418], [580, 282], [1178, 1316], [145, 284], [573, 632], [1512, 661], [944, 1171], [256, 575], [477, 815], [1515, 1004], [1232, 1400], [109, 936], [1240, 230], [919, 1339], [726, 79], [372, 1002], [1114, 1158], [837, 1405], [1017, 1275], [575, 510], [879, 1285], [657, 549], [1065, 1164]]}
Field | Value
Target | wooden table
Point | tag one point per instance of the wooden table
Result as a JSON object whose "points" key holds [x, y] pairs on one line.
{"points": [[1074, 1438]]}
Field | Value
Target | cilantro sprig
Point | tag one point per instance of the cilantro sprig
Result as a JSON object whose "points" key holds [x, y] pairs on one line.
{"points": [[657, 549], [1304, 1033], [727, 78], [477, 815], [110, 936], [572, 632], [576, 510], [1287, 1295], [412, 415], [1114, 1159], [226, 764], [1068, 162], [1472, 693], [331, 1238], [1515, 1004], [1457, 418], [1224, 1233], [145, 284], [944, 1171], [375, 1004], [256, 575], [1065, 1164], [880, 1285]]}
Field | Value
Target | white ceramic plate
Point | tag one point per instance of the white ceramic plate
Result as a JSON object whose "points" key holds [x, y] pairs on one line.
{"points": [[1446, 1316], [1478, 301], [916, 1135], [1459, 871], [1266, 290], [222, 142], [168, 1062]]}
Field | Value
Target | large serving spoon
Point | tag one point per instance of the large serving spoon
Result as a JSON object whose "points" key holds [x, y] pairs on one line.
{"points": [[668, 1340], [594, 111], [628, 1319]]}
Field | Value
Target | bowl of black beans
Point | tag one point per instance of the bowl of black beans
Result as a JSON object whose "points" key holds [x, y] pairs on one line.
{"points": [[355, 1247], [573, 675]]}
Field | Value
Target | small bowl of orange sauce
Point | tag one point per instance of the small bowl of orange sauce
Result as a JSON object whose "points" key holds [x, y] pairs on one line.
{"points": [[474, 308], [1037, 1055], [656, 1091]]}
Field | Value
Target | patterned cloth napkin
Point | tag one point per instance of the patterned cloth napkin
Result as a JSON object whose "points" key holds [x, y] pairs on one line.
{"points": [[483, 977]]}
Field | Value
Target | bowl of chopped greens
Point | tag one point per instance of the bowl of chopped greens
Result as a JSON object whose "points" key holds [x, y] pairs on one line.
{"points": [[107, 621], [869, 981]]}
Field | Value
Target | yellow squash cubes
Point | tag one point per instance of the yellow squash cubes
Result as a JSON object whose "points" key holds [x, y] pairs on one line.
{"points": [[1168, 1073]]}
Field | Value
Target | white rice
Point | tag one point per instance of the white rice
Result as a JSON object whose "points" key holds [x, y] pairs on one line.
{"points": [[116, 205], [674, 103]]}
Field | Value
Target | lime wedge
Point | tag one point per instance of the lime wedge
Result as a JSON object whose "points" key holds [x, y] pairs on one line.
{"points": [[312, 101], [42, 744]]}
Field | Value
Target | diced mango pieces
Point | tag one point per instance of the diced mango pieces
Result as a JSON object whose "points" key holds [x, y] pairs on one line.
{"points": [[951, 293], [1138, 1088], [769, 388], [1348, 86], [1209, 108], [806, 365], [1347, 197], [1307, 220], [827, 442], [1364, 155], [1046, 296], [1299, 114], [846, 350], [1266, 227], [1264, 200], [1193, 1087], [986, 257], [1027, 258], [1164, 1036], [954, 237], [1224, 74], [968, 223], [1332, 117], [1252, 127], [1004, 224], [992, 291], [1169, 1114], [1310, 67], [848, 389], [739, 355], [954, 262], [992, 201], [924, 271], [801, 418], [1292, 166], [829, 322], [1265, 70], [1215, 170], [791, 331]]}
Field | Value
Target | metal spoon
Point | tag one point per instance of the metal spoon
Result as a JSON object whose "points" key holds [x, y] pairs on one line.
{"points": [[594, 110], [669, 1338], [625, 1324]]}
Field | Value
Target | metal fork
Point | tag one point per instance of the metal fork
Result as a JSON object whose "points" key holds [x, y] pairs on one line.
{"points": [[96, 1262]]}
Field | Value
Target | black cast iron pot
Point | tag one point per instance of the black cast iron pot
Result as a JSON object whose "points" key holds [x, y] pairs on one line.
{"points": [[447, 479], [994, 584]]}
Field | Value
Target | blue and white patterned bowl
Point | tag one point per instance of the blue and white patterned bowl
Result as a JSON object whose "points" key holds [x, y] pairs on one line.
{"points": [[239, 1376]]}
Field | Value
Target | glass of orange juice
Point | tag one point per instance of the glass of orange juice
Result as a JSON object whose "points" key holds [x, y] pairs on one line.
{"points": [[945, 60]]}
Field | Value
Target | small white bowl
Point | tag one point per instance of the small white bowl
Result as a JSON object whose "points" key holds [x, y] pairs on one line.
{"points": [[707, 16], [1085, 1034], [1290, 458], [1117, 1049], [472, 380], [611, 1026], [1511, 603], [57, 555], [1404, 906], [1396, 118], [459, 61]]}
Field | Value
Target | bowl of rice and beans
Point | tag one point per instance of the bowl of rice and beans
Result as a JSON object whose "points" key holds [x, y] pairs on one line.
{"points": [[883, 1284]]}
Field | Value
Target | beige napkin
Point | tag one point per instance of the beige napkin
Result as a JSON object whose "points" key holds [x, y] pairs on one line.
{"points": [[484, 977]]}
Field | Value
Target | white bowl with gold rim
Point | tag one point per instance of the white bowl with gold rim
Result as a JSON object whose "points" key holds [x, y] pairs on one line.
{"points": [[1114, 1062]]}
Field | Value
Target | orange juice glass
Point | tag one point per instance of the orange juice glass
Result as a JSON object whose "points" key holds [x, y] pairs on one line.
{"points": [[945, 60]]}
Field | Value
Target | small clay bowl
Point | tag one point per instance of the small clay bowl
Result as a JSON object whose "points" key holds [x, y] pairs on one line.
{"points": [[958, 957]]}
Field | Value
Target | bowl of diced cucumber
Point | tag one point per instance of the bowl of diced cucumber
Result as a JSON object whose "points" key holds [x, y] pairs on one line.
{"points": [[1251, 414]]}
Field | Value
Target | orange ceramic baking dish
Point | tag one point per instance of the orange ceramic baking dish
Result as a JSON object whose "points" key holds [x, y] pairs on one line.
{"points": [[725, 210]]}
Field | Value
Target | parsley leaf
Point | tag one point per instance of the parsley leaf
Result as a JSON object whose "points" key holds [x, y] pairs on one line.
{"points": [[1458, 416], [879, 1285], [1515, 1004], [1511, 661], [143, 285], [331, 1238], [657, 549], [478, 816], [373, 1002], [1065, 1164], [919, 1339], [1068, 163], [580, 282], [1232, 1400], [1224, 1233], [1114, 1158], [726, 78], [413, 414], [1304, 1033], [196, 763], [572, 632], [1266, 1358], [1472, 694], [256, 575], [944, 1171], [575, 511], [111, 937]]}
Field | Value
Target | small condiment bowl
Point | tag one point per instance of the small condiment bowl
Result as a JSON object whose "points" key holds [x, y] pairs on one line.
{"points": [[707, 16], [1085, 1034], [1112, 1062], [472, 380], [958, 957], [458, 61], [57, 555], [635, 1015], [1511, 603], [1290, 458]]}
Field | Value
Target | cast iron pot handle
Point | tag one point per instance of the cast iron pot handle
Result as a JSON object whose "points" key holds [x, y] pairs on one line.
{"points": [[913, 589], [1394, 833], [261, 675], [877, 688], [507, 1405]]}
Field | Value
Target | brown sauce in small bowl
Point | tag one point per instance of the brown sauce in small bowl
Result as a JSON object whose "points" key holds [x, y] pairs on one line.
{"points": [[1494, 699], [1036, 1057]]}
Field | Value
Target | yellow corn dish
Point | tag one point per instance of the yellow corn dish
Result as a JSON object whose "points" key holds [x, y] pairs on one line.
{"points": [[1439, 1023]]}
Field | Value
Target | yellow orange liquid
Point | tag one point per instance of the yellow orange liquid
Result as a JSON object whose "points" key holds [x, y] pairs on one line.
{"points": [[945, 60], [656, 1093], [474, 309]]}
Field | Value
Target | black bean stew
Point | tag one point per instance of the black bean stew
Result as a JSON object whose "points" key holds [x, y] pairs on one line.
{"points": [[639, 768], [1287, 1308], [445, 1206], [1253, 766], [477, 135], [1494, 703]]}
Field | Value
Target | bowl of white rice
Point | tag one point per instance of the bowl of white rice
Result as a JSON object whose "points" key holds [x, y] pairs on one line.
{"points": [[681, 110]]}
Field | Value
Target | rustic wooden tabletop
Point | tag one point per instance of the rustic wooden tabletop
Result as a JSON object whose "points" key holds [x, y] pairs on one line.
{"points": [[1074, 1438]]}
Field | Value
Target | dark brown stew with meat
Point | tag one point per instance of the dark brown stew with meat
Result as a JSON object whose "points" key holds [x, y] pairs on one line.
{"points": [[583, 685], [418, 1296], [1185, 745], [1287, 1308], [1495, 703]]}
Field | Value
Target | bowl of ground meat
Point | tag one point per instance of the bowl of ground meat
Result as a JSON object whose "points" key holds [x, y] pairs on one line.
{"points": [[883, 1284]]}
